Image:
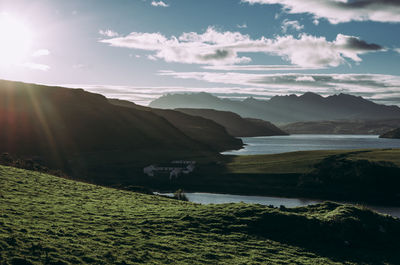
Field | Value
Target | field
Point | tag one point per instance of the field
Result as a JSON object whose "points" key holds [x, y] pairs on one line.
{"points": [[51, 220], [304, 161], [363, 176]]}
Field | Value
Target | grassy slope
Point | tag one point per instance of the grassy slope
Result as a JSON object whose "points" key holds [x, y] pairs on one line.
{"points": [[302, 162], [200, 129], [84, 135], [49, 219], [235, 124]]}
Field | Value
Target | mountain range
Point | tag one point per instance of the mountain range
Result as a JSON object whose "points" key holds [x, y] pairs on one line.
{"points": [[86, 136], [286, 109]]}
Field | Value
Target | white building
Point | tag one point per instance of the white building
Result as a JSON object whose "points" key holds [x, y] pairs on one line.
{"points": [[173, 169]]}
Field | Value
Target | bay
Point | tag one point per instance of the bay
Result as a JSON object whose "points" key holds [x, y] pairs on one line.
{"points": [[308, 142]]}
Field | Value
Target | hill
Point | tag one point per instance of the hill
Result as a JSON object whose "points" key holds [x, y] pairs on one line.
{"points": [[84, 135], [199, 128], [364, 176], [393, 134], [236, 125], [369, 175], [51, 220], [286, 109], [374, 127]]}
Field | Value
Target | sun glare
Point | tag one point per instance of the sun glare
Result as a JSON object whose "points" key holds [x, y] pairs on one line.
{"points": [[15, 40]]}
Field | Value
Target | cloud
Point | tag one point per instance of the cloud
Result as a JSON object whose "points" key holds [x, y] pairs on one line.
{"points": [[243, 26], [144, 95], [379, 88], [258, 68], [159, 4], [305, 78], [42, 52], [151, 57], [397, 50], [291, 24], [223, 48], [108, 33], [339, 11], [36, 66], [359, 84], [79, 66]]}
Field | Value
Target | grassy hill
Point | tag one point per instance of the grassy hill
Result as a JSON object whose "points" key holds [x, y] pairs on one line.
{"points": [[50, 220], [303, 161], [204, 130], [84, 135], [366, 176], [358, 175], [235, 124]]}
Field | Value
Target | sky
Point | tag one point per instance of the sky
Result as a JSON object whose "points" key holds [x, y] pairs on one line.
{"points": [[139, 50]]}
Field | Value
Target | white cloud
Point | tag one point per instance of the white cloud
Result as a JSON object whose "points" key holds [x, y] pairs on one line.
{"points": [[108, 33], [151, 57], [305, 78], [36, 66], [291, 24], [253, 67], [380, 88], [159, 3], [397, 50], [79, 66], [144, 95], [41, 52], [243, 26], [374, 86], [223, 48], [338, 11]]}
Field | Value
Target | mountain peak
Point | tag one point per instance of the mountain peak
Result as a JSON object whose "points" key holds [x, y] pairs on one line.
{"points": [[250, 99], [310, 96]]}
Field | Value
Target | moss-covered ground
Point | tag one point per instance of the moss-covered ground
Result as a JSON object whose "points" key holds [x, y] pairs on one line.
{"points": [[51, 220]]}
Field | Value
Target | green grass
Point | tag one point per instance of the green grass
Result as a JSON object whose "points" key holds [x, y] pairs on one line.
{"points": [[50, 220], [303, 162]]}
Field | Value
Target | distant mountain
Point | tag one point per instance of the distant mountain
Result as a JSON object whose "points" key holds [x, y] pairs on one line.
{"points": [[236, 125], [393, 134], [86, 136], [286, 109], [375, 127], [201, 129]]}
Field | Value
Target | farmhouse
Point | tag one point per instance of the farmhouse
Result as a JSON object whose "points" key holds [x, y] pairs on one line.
{"points": [[173, 169]]}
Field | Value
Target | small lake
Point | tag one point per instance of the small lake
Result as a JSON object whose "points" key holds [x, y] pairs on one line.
{"points": [[307, 142], [208, 198]]}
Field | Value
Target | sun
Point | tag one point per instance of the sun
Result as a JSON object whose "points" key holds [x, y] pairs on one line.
{"points": [[15, 40]]}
